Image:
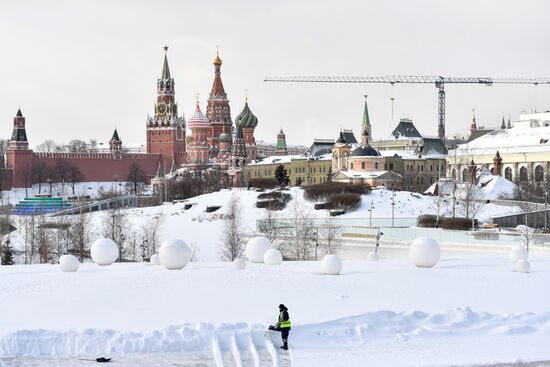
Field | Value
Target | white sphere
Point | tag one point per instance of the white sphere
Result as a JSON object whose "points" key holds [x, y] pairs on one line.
{"points": [[256, 249], [273, 257], [424, 252], [104, 251], [331, 264], [518, 252], [239, 263], [174, 254], [373, 256], [154, 260], [523, 266], [68, 263]]}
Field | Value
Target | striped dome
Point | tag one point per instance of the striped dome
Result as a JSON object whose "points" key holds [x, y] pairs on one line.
{"points": [[198, 120], [246, 118], [224, 138]]}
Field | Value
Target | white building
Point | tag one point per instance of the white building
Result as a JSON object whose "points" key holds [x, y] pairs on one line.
{"points": [[523, 151]]}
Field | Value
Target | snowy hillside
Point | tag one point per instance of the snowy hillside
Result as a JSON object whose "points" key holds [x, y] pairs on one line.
{"points": [[388, 313], [203, 230]]}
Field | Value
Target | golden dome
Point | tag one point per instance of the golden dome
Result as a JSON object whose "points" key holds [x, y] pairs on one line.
{"points": [[217, 60]]}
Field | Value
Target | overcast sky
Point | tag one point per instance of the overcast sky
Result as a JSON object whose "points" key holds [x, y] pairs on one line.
{"points": [[78, 69]]}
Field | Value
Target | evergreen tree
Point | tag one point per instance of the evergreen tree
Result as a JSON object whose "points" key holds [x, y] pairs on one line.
{"points": [[7, 254], [281, 175]]}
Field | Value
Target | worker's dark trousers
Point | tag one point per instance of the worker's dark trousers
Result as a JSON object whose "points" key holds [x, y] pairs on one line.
{"points": [[284, 334]]}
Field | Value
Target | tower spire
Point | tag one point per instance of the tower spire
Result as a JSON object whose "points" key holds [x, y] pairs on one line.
{"points": [[365, 125], [165, 68]]}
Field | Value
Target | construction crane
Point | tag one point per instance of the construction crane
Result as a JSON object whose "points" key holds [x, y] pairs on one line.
{"points": [[438, 81]]}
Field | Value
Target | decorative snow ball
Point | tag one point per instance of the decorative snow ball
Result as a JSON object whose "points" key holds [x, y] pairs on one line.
{"points": [[424, 252], [68, 263], [154, 260], [239, 263], [523, 266], [174, 254], [273, 257], [373, 256], [104, 251], [331, 265], [256, 249], [518, 252]]}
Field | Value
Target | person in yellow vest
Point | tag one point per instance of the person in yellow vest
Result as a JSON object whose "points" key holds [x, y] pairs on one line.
{"points": [[283, 325]]}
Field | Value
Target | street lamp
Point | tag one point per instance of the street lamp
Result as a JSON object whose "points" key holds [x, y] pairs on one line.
{"points": [[49, 181], [370, 211]]}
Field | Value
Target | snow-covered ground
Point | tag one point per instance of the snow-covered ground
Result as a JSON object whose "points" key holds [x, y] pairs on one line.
{"points": [[468, 309]]}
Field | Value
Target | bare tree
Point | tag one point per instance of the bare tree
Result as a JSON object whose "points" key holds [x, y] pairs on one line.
{"points": [[77, 146], [330, 237], [80, 234], [300, 232], [527, 235], [232, 241], [271, 225], [74, 176], [136, 176], [150, 233], [116, 226], [472, 200], [46, 146], [61, 170], [40, 172]]}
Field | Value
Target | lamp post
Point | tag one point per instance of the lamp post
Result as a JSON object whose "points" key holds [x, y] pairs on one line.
{"points": [[49, 181], [370, 212], [392, 207]]}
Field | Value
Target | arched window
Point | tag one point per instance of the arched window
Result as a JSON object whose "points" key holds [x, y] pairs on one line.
{"points": [[362, 165], [454, 174], [508, 174], [351, 165], [375, 165], [464, 175], [237, 163], [523, 174], [539, 174]]}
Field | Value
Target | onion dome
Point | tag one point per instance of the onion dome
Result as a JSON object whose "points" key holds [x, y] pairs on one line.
{"points": [[246, 118], [365, 151], [198, 120], [217, 60], [224, 138]]}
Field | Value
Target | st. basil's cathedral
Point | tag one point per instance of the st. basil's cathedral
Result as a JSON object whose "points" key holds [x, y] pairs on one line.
{"points": [[215, 143]]}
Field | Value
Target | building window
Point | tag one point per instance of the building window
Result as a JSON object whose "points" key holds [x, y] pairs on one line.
{"points": [[523, 174], [375, 165], [362, 165], [391, 165], [453, 174], [464, 175], [508, 174], [351, 165], [539, 174]]}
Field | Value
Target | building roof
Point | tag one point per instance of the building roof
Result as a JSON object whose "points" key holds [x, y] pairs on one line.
{"points": [[365, 151], [431, 147], [19, 114], [349, 137], [115, 136], [478, 133], [320, 147], [514, 140], [406, 129], [198, 119], [165, 68], [246, 118], [366, 118], [224, 138]]}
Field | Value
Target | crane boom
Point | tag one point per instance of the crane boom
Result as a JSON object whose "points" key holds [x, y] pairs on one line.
{"points": [[438, 81]]}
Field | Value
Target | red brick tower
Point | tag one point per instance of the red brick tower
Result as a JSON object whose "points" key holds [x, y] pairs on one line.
{"points": [[198, 148], [19, 156], [217, 109], [165, 130]]}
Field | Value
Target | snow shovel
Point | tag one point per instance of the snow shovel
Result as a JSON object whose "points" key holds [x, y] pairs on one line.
{"points": [[100, 360]]}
